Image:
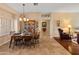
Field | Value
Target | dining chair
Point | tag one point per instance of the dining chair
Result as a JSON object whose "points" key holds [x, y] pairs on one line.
{"points": [[16, 40], [27, 40]]}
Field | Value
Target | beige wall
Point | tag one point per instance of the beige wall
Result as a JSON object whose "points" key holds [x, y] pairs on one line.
{"points": [[67, 19], [31, 16], [37, 16], [7, 24], [64, 17]]}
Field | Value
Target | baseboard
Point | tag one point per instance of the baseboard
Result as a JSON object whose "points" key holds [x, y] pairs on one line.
{"points": [[4, 34], [56, 37]]}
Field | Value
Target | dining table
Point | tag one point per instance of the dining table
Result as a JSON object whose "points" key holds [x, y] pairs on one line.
{"points": [[21, 36]]}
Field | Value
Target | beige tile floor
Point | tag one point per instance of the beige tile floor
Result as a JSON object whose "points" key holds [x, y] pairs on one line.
{"points": [[46, 46], [4, 39]]}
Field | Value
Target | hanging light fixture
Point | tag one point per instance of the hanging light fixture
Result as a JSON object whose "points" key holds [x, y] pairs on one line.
{"points": [[22, 17]]}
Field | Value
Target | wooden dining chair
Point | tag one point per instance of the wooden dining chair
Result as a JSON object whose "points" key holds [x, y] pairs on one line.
{"points": [[16, 41], [36, 38], [27, 40]]}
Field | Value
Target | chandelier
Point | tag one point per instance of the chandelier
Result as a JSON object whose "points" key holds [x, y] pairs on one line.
{"points": [[22, 17]]}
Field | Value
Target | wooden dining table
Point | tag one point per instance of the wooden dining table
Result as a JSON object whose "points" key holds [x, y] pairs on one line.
{"points": [[20, 37]]}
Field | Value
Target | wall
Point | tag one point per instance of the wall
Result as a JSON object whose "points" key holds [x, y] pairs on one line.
{"points": [[7, 21], [32, 16], [53, 27], [67, 18], [37, 16], [51, 22]]}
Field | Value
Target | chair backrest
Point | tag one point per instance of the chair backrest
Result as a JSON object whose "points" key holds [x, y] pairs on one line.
{"points": [[16, 33], [78, 36], [16, 37], [26, 38], [36, 35], [60, 31]]}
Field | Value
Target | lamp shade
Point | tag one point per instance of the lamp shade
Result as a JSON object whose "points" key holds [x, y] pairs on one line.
{"points": [[69, 26]]}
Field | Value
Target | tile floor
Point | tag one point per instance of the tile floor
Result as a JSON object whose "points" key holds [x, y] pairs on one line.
{"points": [[46, 46]]}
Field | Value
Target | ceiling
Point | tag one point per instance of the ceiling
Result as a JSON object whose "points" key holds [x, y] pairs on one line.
{"points": [[45, 7]]}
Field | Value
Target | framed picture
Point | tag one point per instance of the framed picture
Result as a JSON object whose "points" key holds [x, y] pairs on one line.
{"points": [[44, 24]]}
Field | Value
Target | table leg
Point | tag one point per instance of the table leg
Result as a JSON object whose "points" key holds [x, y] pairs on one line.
{"points": [[10, 43]]}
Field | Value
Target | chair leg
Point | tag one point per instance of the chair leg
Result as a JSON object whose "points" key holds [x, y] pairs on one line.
{"points": [[10, 43], [30, 44], [34, 42], [14, 43], [24, 44]]}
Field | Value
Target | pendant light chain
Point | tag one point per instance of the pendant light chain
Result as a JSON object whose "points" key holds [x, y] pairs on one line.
{"points": [[23, 18], [23, 10]]}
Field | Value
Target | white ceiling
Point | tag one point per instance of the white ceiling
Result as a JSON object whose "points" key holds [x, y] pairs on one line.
{"points": [[45, 7]]}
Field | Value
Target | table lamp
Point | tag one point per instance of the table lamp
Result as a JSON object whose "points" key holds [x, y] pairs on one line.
{"points": [[69, 27]]}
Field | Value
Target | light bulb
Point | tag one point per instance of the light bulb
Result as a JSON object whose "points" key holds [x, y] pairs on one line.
{"points": [[27, 19], [24, 19], [20, 19]]}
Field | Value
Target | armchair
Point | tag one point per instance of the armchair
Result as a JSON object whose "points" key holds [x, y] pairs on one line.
{"points": [[64, 35]]}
